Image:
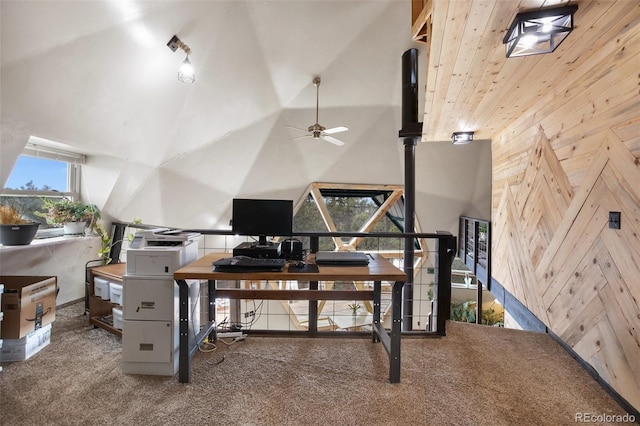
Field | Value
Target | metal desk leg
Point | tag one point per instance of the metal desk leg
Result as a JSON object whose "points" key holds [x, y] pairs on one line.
{"points": [[211, 287], [396, 331], [184, 360], [377, 294], [313, 311]]}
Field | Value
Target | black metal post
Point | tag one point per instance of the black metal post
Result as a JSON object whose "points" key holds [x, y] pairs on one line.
{"points": [[116, 246], [314, 245], [377, 295], [396, 330], [211, 292], [184, 362], [409, 227], [411, 132], [446, 251]]}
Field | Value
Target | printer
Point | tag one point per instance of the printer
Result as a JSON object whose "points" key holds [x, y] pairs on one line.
{"points": [[160, 251]]}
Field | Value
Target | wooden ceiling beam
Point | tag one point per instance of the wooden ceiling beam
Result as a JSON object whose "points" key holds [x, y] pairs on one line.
{"points": [[420, 20]]}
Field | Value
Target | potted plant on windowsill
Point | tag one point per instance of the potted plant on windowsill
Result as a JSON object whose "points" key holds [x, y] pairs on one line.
{"points": [[74, 216], [14, 229]]}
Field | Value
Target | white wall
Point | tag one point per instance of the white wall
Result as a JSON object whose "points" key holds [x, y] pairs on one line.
{"points": [[63, 257], [196, 191], [451, 181]]}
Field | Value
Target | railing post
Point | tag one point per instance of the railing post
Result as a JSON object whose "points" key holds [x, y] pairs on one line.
{"points": [[116, 246], [446, 251], [410, 133], [314, 245]]}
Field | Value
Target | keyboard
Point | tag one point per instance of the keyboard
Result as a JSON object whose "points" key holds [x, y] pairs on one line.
{"points": [[248, 264]]}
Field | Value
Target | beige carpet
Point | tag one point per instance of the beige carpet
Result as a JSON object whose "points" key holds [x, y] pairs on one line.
{"points": [[476, 375]]}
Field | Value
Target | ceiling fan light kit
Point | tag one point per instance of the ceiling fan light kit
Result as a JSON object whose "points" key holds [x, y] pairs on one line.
{"points": [[317, 131]]}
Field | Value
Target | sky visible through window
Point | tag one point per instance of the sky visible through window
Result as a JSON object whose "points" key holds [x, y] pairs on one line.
{"points": [[40, 171]]}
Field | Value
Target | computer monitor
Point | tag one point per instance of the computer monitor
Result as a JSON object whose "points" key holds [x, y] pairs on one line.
{"points": [[262, 218]]}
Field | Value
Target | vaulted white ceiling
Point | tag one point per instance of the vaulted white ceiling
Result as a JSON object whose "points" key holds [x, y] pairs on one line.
{"points": [[98, 77]]}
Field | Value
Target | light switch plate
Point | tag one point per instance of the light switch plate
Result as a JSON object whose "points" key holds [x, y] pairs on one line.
{"points": [[614, 220]]}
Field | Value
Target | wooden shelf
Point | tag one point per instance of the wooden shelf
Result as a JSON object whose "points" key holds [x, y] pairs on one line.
{"points": [[99, 308], [97, 322]]}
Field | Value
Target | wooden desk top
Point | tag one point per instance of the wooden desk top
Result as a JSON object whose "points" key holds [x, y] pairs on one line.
{"points": [[379, 269], [112, 270]]}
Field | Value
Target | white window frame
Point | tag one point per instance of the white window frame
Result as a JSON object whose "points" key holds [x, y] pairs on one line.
{"points": [[74, 162]]}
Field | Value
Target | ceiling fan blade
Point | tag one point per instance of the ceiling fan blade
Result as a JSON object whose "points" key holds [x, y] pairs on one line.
{"points": [[335, 130], [301, 137], [332, 140], [294, 127]]}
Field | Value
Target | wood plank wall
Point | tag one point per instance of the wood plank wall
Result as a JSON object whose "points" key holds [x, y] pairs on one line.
{"points": [[569, 160]]}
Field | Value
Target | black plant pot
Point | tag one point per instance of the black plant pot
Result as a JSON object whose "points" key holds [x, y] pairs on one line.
{"points": [[18, 235]]}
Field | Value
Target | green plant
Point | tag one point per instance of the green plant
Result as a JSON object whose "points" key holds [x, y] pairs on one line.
{"points": [[430, 292], [491, 317], [107, 243], [9, 215], [464, 311], [59, 212], [354, 308]]}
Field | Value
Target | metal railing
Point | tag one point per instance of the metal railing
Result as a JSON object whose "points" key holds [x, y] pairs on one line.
{"points": [[474, 248], [426, 294], [474, 239]]}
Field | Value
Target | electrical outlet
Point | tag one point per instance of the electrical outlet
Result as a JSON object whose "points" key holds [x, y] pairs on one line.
{"points": [[614, 220]]}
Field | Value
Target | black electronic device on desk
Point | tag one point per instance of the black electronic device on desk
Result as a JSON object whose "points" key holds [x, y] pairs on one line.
{"points": [[248, 264], [291, 249], [342, 258], [257, 250]]}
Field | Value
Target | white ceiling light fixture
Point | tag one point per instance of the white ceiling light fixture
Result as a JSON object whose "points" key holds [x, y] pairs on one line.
{"points": [[185, 73], [542, 31], [461, 138]]}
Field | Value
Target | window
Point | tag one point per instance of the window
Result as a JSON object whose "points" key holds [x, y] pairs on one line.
{"points": [[353, 208], [39, 172]]}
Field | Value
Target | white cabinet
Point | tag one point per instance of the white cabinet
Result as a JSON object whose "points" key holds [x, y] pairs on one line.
{"points": [[150, 299], [150, 335]]}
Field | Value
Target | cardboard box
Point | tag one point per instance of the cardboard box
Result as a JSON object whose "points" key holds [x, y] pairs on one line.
{"points": [[28, 303], [25, 348]]}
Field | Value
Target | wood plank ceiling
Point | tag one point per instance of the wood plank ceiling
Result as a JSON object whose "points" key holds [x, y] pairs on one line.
{"points": [[470, 84]]}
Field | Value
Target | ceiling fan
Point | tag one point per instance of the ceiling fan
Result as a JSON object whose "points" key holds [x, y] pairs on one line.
{"points": [[317, 131]]}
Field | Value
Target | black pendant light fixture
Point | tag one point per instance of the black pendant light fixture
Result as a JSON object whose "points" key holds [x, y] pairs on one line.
{"points": [[541, 31]]}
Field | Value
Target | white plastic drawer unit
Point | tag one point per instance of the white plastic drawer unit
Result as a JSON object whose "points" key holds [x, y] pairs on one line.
{"points": [[117, 317], [115, 293], [101, 288]]}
